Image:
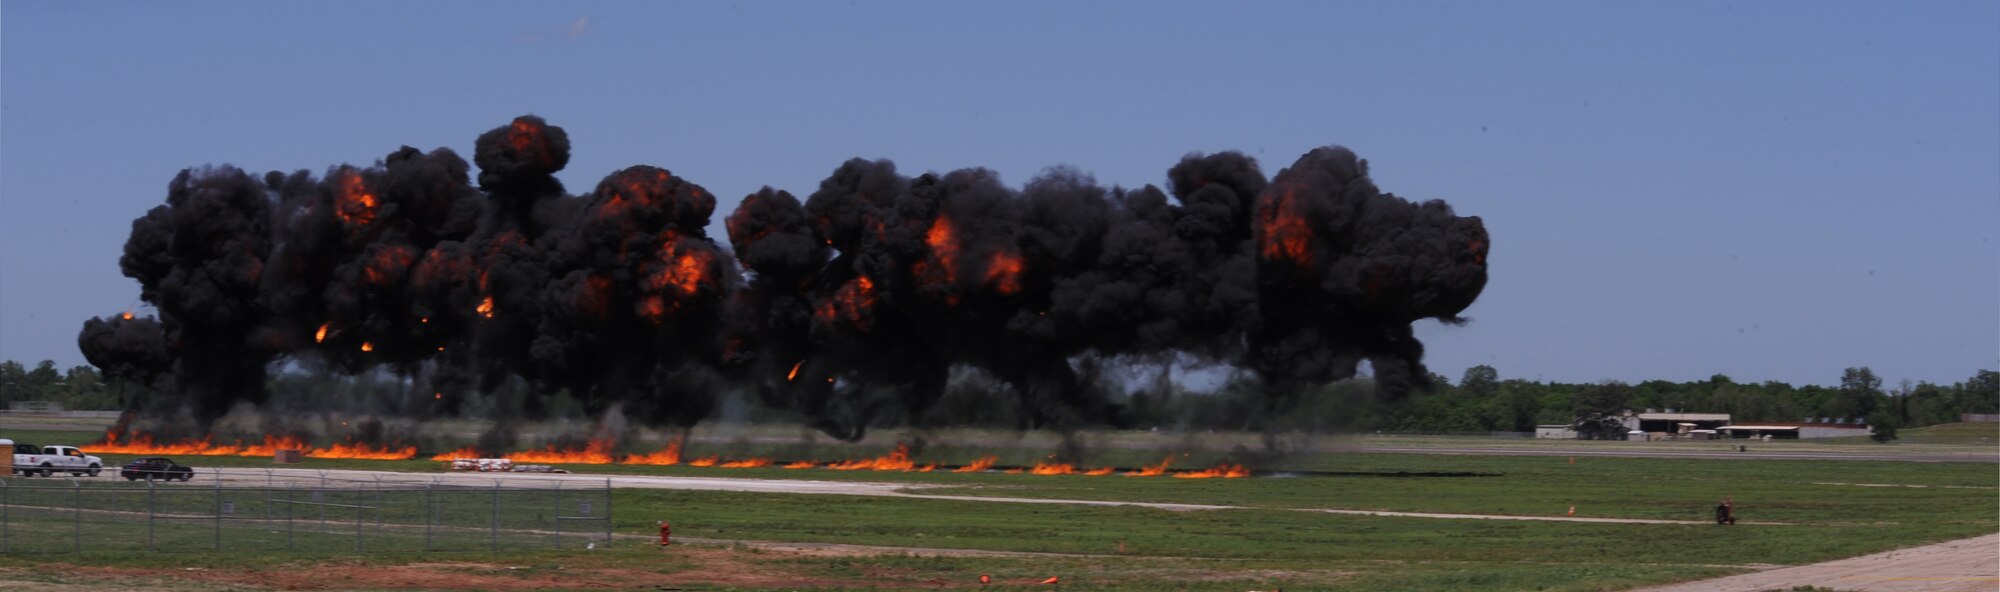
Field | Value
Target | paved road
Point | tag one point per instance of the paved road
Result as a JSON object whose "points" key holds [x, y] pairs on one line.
{"points": [[1965, 565], [1753, 453]]}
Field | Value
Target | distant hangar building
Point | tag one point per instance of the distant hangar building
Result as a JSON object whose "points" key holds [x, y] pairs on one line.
{"points": [[1824, 427], [1675, 424]]}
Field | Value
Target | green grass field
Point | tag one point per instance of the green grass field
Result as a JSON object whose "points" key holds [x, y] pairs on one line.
{"points": [[1822, 510]]}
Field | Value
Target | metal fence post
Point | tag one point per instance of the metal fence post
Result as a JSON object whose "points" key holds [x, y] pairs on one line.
{"points": [[381, 501], [152, 514], [430, 490], [357, 528], [76, 515], [494, 545], [218, 510]]}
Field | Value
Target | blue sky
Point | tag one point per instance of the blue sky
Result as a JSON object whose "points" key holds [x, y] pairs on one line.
{"points": [[1768, 190]]}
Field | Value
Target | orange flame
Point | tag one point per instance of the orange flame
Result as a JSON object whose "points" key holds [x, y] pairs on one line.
{"points": [[463, 452], [367, 347], [1004, 272], [795, 371], [896, 460], [127, 315], [654, 308], [1224, 470], [803, 464], [685, 270], [486, 307], [526, 137], [320, 336], [597, 452], [706, 461], [984, 463], [353, 204], [389, 264], [114, 443], [671, 455], [1284, 232], [1048, 468], [940, 269], [851, 303], [1100, 471], [363, 451], [1153, 470], [943, 241]]}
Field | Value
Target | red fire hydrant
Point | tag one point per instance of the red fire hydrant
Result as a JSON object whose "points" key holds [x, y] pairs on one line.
{"points": [[665, 531]]}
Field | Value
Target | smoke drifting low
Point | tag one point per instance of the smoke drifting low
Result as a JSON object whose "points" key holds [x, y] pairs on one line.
{"points": [[864, 295]]}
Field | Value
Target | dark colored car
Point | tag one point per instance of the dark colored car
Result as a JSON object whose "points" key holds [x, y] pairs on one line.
{"points": [[155, 468]]}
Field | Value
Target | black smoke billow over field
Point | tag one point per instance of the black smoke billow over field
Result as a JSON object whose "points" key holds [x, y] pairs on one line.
{"points": [[863, 295]]}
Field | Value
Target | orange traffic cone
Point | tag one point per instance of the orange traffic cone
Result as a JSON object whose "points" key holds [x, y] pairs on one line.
{"points": [[1053, 580], [1572, 510], [985, 579]]}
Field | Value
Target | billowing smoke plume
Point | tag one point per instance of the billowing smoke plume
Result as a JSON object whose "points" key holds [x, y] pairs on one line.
{"points": [[864, 295]]}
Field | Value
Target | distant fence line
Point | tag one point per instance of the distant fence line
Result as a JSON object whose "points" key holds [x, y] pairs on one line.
{"points": [[251, 510], [1980, 417]]}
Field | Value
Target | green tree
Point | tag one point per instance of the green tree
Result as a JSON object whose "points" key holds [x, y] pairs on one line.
{"points": [[13, 378], [42, 382], [1882, 426], [1981, 393], [1600, 410], [84, 388], [1479, 381], [1860, 394]]}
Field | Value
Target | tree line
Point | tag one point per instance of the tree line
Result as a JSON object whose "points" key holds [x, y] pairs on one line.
{"points": [[1480, 401], [79, 387]]}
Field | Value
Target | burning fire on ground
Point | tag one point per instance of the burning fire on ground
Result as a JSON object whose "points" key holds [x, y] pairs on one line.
{"points": [[599, 451], [115, 443], [898, 460]]}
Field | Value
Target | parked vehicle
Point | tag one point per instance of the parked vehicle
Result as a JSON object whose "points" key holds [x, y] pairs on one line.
{"points": [[155, 467], [30, 459]]}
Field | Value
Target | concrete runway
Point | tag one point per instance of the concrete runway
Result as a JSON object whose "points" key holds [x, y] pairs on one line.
{"points": [[1965, 565], [304, 477], [1991, 456]]}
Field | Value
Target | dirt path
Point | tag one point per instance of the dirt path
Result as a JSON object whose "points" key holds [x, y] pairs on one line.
{"points": [[1965, 565]]}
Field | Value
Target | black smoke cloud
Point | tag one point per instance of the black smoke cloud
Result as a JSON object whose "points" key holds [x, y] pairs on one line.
{"points": [[862, 296]]}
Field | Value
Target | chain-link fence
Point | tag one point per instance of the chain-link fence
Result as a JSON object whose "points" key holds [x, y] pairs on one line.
{"points": [[261, 510]]}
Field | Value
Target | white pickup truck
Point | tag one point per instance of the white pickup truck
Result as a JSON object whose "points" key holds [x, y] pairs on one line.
{"points": [[30, 459]]}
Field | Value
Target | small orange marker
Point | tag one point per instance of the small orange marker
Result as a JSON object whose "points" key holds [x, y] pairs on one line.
{"points": [[1572, 510], [1572, 460], [985, 579], [1053, 580]]}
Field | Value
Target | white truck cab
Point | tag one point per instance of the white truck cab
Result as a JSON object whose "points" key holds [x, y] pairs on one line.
{"points": [[30, 459]]}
